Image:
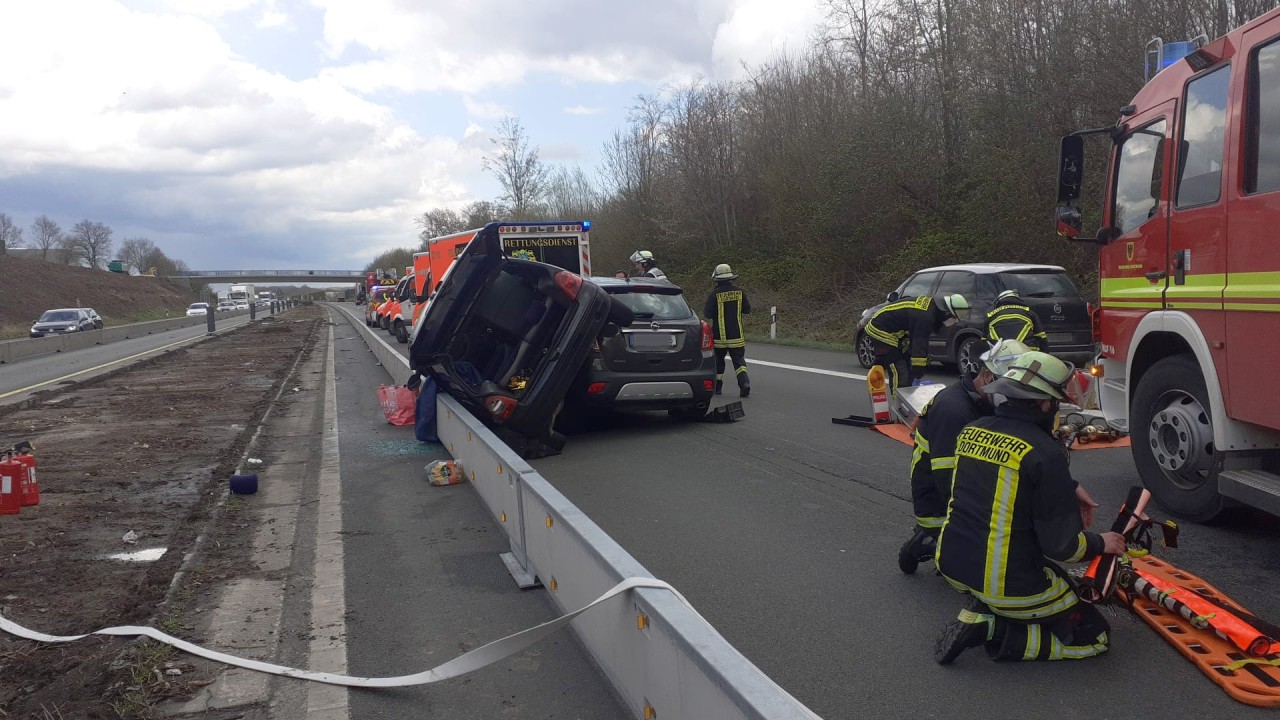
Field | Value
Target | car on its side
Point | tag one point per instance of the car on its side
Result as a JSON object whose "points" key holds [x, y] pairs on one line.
{"points": [[663, 360], [1046, 289], [506, 338], [199, 309], [61, 321], [94, 316]]}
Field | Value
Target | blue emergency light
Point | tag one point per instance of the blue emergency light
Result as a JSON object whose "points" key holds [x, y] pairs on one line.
{"points": [[1163, 54], [586, 226]]}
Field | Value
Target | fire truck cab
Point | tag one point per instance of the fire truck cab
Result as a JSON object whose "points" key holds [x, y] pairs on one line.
{"points": [[1188, 322]]}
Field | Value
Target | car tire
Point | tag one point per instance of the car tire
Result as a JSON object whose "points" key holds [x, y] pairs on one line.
{"points": [[865, 348], [968, 354], [1172, 439], [401, 333]]}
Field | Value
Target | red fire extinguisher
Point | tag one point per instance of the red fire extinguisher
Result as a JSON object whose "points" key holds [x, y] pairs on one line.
{"points": [[30, 491], [10, 490]]}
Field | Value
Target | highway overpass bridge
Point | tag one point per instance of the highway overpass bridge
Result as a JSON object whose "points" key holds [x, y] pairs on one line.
{"points": [[269, 277]]}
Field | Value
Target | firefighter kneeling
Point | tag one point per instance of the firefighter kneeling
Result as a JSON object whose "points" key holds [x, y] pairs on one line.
{"points": [[934, 456], [1015, 510]]}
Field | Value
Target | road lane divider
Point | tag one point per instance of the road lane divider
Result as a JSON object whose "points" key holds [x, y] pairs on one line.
{"points": [[802, 368], [673, 663]]}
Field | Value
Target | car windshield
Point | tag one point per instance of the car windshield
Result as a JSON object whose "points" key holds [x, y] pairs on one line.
{"points": [[1040, 284], [59, 316], [654, 306], [198, 306]]}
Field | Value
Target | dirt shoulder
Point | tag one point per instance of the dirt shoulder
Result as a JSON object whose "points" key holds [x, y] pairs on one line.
{"points": [[146, 450]]}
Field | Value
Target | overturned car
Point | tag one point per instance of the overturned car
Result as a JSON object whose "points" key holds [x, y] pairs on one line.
{"points": [[507, 337]]}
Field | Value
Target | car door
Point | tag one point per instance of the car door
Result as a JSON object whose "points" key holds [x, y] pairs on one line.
{"points": [[942, 343]]}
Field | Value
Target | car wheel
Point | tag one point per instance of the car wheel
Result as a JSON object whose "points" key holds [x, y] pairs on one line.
{"points": [[1172, 434], [969, 354], [402, 333], [866, 350], [383, 323]]}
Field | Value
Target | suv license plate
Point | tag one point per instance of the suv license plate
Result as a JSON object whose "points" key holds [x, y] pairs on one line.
{"points": [[651, 341], [1060, 338]]}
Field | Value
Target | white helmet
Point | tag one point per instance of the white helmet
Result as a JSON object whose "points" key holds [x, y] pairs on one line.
{"points": [[642, 256], [723, 272], [1001, 355], [1008, 296]]}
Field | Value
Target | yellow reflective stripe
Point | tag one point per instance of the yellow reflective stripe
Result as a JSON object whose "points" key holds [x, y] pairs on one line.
{"points": [[1066, 602], [1033, 642], [720, 318], [999, 531], [1055, 647], [1258, 285], [1075, 652], [1057, 586], [1131, 304], [741, 369], [919, 362], [1082, 545], [890, 339], [942, 463], [920, 440], [1138, 287], [930, 522]]}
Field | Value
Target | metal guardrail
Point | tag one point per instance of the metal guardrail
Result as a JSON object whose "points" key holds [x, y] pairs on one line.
{"points": [[11, 350], [269, 273], [664, 659]]}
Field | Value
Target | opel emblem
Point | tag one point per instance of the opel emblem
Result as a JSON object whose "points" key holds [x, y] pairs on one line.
{"points": [[654, 326], [1057, 308]]}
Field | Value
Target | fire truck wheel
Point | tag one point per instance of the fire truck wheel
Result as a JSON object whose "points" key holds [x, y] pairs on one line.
{"points": [[866, 351], [1172, 438]]}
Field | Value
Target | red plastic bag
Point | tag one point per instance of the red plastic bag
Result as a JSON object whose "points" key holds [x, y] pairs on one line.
{"points": [[397, 403]]}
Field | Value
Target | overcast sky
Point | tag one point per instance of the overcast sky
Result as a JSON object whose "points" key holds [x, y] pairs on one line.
{"points": [[307, 134]]}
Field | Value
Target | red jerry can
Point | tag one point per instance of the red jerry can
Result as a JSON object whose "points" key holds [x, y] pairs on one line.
{"points": [[10, 491], [28, 489]]}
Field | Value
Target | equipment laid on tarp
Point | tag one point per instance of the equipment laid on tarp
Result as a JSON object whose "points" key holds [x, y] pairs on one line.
{"points": [[883, 404], [1232, 647]]}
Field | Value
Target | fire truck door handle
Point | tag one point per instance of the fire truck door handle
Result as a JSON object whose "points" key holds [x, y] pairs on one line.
{"points": [[1155, 275]]}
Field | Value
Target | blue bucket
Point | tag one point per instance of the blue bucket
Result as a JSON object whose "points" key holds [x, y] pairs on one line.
{"points": [[244, 484]]}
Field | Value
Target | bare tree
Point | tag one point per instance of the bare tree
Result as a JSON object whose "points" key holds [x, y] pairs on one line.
{"points": [[134, 252], [437, 222], [570, 194], [46, 235], [10, 234], [90, 242], [517, 167], [481, 213]]}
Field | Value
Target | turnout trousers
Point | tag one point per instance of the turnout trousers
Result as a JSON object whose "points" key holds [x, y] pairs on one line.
{"points": [[739, 357]]}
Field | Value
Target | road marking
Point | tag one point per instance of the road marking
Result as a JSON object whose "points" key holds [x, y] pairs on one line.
{"points": [[328, 600], [801, 368], [97, 367]]}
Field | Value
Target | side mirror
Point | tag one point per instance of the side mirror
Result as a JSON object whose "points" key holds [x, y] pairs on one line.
{"points": [[1069, 221], [609, 330], [892, 297]]}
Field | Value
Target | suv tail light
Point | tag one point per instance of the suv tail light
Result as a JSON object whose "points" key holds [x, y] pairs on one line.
{"points": [[500, 406], [707, 344], [569, 283], [1095, 325]]}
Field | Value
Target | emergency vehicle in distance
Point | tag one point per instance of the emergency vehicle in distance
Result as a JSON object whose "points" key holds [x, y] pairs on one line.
{"points": [[565, 244], [1189, 318]]}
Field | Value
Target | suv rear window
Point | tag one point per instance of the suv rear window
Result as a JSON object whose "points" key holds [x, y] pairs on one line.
{"points": [[1040, 284], [654, 306]]}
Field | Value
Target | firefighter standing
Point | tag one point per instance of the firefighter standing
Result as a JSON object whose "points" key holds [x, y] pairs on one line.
{"points": [[933, 458], [1014, 510], [646, 265], [1011, 319], [908, 324], [724, 309]]}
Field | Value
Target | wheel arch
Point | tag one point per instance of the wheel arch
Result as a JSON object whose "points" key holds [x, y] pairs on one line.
{"points": [[1163, 334]]}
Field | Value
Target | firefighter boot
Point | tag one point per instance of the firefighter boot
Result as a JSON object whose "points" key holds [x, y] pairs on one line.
{"points": [[917, 549], [974, 626]]}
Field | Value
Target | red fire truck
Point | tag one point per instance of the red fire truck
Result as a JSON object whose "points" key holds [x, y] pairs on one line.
{"points": [[1189, 264]]}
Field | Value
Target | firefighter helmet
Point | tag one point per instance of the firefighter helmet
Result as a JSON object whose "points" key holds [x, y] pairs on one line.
{"points": [[1035, 376], [954, 305], [723, 272], [1001, 356], [644, 257], [1008, 296]]}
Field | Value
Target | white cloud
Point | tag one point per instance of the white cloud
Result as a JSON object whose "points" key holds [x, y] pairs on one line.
{"points": [[484, 110], [754, 31], [582, 110]]}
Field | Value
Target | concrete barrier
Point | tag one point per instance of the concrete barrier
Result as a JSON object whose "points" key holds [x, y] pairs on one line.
{"points": [[663, 658]]}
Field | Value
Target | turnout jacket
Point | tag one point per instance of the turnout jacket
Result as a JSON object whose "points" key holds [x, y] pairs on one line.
{"points": [[934, 457], [1012, 321], [724, 309], [1013, 505], [911, 321]]}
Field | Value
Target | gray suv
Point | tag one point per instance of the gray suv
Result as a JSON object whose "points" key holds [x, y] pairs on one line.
{"points": [[1046, 289]]}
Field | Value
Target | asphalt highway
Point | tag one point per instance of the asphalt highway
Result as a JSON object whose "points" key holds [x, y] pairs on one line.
{"points": [[783, 530]]}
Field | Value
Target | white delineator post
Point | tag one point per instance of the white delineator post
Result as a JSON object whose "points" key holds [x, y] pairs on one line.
{"points": [[773, 322]]}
